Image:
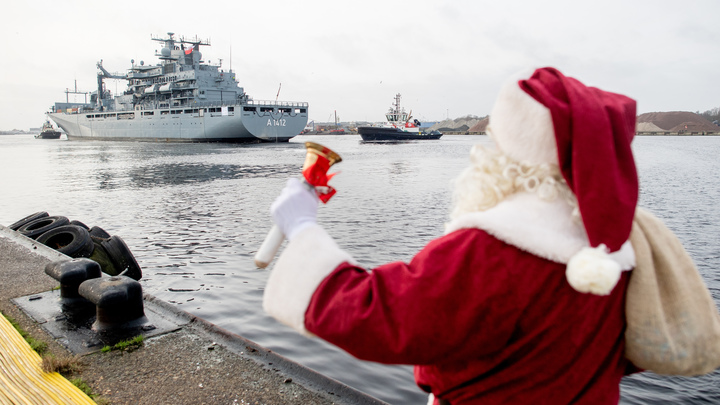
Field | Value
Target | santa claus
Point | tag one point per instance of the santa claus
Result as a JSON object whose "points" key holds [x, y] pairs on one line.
{"points": [[522, 300]]}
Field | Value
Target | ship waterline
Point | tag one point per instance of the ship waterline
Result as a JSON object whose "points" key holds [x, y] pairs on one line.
{"points": [[241, 123]]}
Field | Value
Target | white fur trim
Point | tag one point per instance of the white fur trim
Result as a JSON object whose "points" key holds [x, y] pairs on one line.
{"points": [[545, 229], [521, 127], [592, 271], [302, 266]]}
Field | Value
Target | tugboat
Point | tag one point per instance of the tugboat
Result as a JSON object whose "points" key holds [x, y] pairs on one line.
{"points": [[397, 128], [48, 132], [180, 99]]}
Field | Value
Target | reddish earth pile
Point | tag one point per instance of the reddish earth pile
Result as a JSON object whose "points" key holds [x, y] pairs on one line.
{"points": [[675, 121], [480, 126]]}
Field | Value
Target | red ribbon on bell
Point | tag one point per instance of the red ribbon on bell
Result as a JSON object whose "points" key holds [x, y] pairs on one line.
{"points": [[315, 169]]}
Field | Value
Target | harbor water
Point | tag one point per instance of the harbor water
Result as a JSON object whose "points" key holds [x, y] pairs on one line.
{"points": [[194, 215]]}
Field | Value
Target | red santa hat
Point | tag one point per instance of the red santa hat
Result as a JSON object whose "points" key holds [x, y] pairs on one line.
{"points": [[551, 118]]}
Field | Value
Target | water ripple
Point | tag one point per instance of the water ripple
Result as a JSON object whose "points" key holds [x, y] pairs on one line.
{"points": [[194, 215]]}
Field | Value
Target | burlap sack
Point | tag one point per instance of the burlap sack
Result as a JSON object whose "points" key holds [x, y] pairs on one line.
{"points": [[673, 325]]}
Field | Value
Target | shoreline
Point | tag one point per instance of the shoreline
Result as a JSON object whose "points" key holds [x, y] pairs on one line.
{"points": [[638, 133]]}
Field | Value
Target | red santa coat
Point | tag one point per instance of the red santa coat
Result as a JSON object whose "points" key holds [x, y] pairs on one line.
{"points": [[484, 313]]}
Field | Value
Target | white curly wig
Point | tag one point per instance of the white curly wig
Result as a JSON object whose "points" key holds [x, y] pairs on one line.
{"points": [[493, 176]]}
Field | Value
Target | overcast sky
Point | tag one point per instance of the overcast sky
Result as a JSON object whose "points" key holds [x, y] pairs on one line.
{"points": [[446, 58]]}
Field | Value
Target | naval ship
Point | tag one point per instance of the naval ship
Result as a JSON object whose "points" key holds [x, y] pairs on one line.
{"points": [[180, 99]]}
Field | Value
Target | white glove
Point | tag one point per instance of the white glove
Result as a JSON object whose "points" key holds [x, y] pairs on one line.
{"points": [[295, 208]]}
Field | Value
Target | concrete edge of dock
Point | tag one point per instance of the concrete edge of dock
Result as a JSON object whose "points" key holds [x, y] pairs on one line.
{"points": [[239, 371]]}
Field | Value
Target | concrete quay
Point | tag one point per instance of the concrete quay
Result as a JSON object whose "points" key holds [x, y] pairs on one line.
{"points": [[187, 361]]}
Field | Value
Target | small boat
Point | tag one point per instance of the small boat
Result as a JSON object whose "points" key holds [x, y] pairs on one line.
{"points": [[48, 132], [398, 127]]}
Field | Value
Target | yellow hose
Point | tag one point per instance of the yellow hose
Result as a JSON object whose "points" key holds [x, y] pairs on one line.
{"points": [[22, 380]]}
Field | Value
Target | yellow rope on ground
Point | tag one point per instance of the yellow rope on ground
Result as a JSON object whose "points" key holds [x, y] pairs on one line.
{"points": [[22, 380]]}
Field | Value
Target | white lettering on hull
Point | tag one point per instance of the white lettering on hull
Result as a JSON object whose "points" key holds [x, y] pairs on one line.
{"points": [[276, 123]]}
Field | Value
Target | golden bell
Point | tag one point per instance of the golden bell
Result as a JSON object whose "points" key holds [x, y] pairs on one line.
{"points": [[315, 151]]}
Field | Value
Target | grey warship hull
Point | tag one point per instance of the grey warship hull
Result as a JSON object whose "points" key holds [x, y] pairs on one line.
{"points": [[180, 99], [235, 124]]}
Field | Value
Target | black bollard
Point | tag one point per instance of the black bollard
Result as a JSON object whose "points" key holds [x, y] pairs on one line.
{"points": [[70, 274], [118, 303]]}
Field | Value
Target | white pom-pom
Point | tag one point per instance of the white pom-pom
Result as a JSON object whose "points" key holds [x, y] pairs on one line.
{"points": [[592, 270]]}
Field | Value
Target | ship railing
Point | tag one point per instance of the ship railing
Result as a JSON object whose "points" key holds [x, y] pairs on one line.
{"points": [[249, 102], [73, 109], [278, 103], [210, 104]]}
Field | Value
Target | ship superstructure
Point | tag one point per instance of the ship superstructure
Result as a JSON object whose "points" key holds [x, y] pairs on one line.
{"points": [[181, 98]]}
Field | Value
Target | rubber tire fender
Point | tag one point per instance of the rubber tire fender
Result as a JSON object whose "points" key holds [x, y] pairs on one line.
{"points": [[100, 255], [97, 232], [121, 257], [80, 224], [72, 240], [29, 218], [35, 228]]}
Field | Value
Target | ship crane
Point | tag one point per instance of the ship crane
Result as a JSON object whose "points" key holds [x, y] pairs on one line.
{"points": [[102, 75]]}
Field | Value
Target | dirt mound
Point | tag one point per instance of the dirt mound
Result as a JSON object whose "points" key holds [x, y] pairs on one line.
{"points": [[458, 124], [674, 121], [480, 126], [647, 127]]}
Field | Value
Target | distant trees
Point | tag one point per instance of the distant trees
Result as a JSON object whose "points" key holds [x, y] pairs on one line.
{"points": [[711, 115]]}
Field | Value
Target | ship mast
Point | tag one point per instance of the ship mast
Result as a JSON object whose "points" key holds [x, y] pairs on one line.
{"points": [[68, 92], [396, 113], [172, 45]]}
